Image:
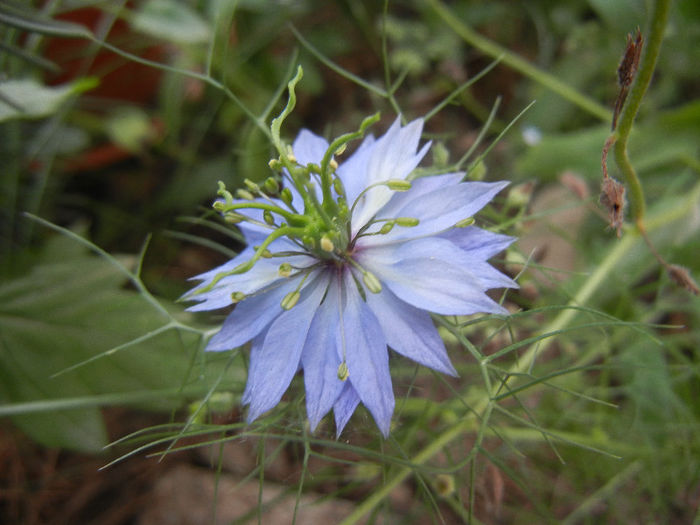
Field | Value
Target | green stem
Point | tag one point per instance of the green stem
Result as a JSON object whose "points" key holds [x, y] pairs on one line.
{"points": [[519, 64], [484, 405], [658, 19]]}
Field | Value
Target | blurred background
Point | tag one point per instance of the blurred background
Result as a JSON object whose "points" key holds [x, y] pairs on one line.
{"points": [[124, 149]]}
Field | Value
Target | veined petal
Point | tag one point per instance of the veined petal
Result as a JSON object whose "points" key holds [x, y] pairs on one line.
{"points": [[321, 357], [393, 157], [429, 281], [482, 244], [251, 316], [274, 365], [439, 210], [410, 331], [367, 356], [344, 406]]}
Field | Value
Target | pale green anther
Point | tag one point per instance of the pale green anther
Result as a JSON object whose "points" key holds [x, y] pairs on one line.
{"points": [[386, 227], [371, 282], [290, 300], [285, 269], [271, 186], [343, 372], [398, 185], [233, 218], [341, 149], [327, 244], [313, 168], [275, 165], [333, 164], [223, 192], [338, 186], [266, 254], [465, 222], [219, 206], [290, 154], [286, 196], [251, 185], [269, 219], [245, 194], [237, 297], [407, 222]]}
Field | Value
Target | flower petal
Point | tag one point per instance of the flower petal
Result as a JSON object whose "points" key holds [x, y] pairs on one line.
{"points": [[309, 148], [353, 172], [482, 244], [439, 210], [321, 358], [250, 317], [273, 365], [367, 356], [393, 157], [345, 406], [423, 274], [410, 331]]}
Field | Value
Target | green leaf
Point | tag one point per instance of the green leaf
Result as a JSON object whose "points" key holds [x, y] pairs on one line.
{"points": [[71, 309], [28, 98], [172, 21]]}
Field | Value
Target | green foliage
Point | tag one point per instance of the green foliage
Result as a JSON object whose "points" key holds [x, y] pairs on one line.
{"points": [[71, 308]]}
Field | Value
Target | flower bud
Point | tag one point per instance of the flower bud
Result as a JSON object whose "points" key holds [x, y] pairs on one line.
{"points": [[266, 254], [290, 300], [285, 269], [341, 149], [237, 297], [398, 184], [275, 165], [269, 219]]}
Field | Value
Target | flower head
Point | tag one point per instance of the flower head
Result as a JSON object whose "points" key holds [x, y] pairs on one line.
{"points": [[345, 262]]}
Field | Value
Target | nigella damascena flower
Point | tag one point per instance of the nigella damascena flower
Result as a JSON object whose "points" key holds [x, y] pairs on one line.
{"points": [[346, 263]]}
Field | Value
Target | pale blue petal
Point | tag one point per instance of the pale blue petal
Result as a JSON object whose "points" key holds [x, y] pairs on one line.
{"points": [[264, 273], [420, 273], [393, 157], [353, 172], [345, 406], [439, 210], [309, 148], [251, 316], [320, 358], [367, 356], [482, 244], [410, 331], [273, 367], [419, 187]]}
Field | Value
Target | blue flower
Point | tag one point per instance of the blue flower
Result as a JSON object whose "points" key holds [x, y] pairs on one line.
{"points": [[344, 264]]}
